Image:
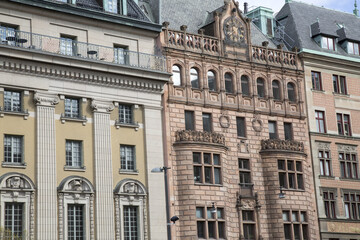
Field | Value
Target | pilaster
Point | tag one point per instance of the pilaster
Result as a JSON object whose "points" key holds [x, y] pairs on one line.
{"points": [[46, 166], [105, 226]]}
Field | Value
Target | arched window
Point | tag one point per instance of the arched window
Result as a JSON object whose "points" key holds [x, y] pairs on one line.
{"points": [[131, 207], [229, 83], [211, 80], [245, 85], [276, 90], [194, 78], [176, 77], [291, 92], [260, 82]]}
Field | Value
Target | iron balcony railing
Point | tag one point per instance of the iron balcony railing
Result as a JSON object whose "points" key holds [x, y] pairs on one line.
{"points": [[81, 50]]}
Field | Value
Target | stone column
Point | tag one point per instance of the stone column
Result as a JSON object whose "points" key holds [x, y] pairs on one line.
{"points": [[105, 226], [46, 166], [156, 184]]}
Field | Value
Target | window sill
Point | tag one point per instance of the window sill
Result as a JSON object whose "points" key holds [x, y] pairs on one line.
{"points": [[24, 113], [136, 125], [82, 119], [341, 95], [350, 179], [74, 169], [13, 165], [242, 138], [129, 172], [293, 190], [208, 184], [318, 90], [326, 177]]}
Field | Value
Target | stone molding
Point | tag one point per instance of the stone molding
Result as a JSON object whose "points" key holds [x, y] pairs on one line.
{"points": [[199, 136], [46, 99], [102, 106], [282, 145], [76, 76], [346, 148], [323, 146]]}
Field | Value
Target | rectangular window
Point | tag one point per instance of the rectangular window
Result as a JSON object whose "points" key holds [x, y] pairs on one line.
{"points": [[273, 130], [210, 223], [189, 120], [13, 149], [249, 224], [207, 168], [328, 43], [112, 6], [68, 45], [244, 173], [126, 114], [8, 35], [288, 130], [75, 222], [121, 55], [316, 81], [343, 123], [14, 215], [339, 83], [348, 165], [325, 163], [329, 203], [131, 223], [72, 108], [207, 122], [73, 153], [241, 127], [290, 174], [320, 121], [127, 157], [353, 48], [12, 101], [295, 225]]}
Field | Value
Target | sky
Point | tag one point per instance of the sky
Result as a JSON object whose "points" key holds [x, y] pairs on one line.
{"points": [[341, 5]]}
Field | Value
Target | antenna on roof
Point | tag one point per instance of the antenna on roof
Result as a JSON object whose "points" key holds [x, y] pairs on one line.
{"points": [[356, 11]]}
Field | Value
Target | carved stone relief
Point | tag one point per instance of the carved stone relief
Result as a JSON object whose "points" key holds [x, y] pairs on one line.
{"points": [[224, 121], [257, 124], [323, 146], [347, 148]]}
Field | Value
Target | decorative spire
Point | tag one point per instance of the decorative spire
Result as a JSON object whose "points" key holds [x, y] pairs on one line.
{"points": [[356, 11]]}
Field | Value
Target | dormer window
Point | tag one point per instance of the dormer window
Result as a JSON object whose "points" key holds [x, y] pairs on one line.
{"points": [[353, 48], [328, 43]]}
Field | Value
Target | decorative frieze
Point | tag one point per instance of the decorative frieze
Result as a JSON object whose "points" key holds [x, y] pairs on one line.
{"points": [[199, 136], [282, 145], [346, 148]]}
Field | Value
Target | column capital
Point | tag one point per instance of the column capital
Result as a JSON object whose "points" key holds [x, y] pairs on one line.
{"points": [[102, 106], [46, 99]]}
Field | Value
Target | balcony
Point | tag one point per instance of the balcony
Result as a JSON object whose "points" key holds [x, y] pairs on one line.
{"points": [[186, 136], [282, 145], [82, 50]]}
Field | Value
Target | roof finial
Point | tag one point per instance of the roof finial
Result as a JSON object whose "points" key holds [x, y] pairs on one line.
{"points": [[356, 11], [317, 19]]}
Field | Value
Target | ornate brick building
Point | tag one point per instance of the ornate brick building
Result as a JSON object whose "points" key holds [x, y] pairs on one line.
{"points": [[236, 128]]}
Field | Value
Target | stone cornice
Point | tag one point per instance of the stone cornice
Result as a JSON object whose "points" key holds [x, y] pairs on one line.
{"points": [[53, 71], [102, 106], [46, 99]]}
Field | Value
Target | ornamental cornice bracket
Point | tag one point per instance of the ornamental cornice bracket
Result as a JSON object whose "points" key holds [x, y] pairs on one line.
{"points": [[46, 99], [102, 106]]}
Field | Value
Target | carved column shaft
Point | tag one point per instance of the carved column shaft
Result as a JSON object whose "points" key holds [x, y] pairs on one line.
{"points": [[46, 166]]}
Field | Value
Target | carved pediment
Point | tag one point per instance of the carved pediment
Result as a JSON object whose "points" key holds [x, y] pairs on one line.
{"points": [[16, 182], [130, 187], [347, 148], [76, 184]]}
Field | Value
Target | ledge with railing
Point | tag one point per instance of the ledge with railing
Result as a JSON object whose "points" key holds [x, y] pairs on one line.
{"points": [[82, 50]]}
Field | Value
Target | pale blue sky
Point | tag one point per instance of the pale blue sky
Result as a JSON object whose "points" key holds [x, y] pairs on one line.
{"points": [[341, 5]]}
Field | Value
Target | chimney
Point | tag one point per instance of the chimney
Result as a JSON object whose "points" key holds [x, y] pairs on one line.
{"points": [[245, 7]]}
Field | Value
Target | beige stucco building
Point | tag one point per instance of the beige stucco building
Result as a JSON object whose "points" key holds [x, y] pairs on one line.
{"points": [[328, 42], [236, 128], [80, 121]]}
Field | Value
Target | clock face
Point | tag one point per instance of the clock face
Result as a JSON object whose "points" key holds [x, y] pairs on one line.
{"points": [[234, 30]]}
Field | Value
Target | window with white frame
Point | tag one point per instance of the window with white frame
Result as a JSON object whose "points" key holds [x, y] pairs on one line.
{"points": [[72, 108], [353, 48], [12, 101], [131, 223], [75, 222], [328, 43], [13, 149], [121, 55], [16, 218], [210, 223], [6, 33], [126, 114], [13, 220], [127, 157], [68, 45], [76, 205], [112, 6], [73, 153]]}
